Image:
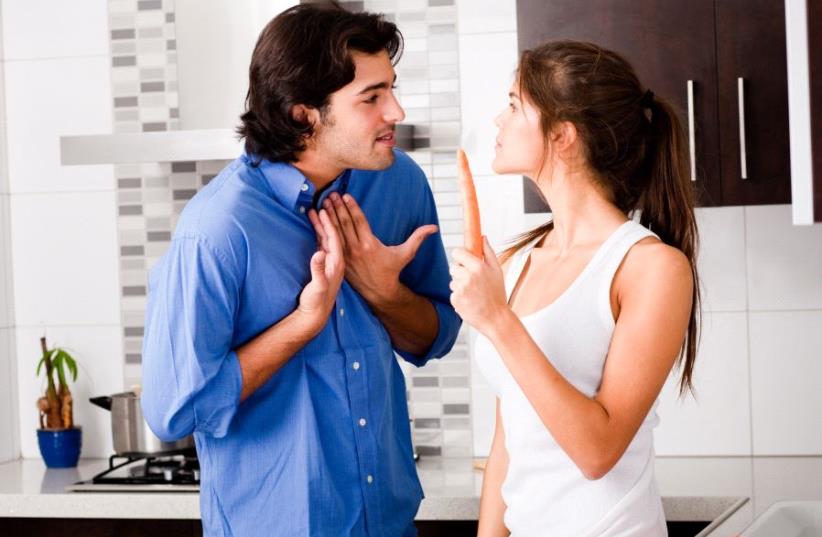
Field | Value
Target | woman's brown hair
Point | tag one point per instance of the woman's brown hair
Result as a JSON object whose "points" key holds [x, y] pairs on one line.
{"points": [[633, 141]]}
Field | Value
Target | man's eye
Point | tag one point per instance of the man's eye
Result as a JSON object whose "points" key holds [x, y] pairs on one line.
{"points": [[371, 99]]}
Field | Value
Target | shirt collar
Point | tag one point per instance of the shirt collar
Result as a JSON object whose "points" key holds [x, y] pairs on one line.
{"points": [[290, 187]]}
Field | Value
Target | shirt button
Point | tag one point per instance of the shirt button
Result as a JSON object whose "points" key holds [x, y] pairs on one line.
{"points": [[356, 366], [304, 188], [302, 209], [370, 479], [342, 312], [362, 422]]}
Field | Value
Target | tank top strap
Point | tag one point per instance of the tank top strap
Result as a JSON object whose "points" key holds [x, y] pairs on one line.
{"points": [[516, 265], [630, 234]]}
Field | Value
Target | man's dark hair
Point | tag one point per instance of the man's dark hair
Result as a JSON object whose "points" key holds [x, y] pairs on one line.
{"points": [[303, 56]]}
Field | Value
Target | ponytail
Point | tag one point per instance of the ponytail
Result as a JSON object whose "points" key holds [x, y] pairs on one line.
{"points": [[666, 208]]}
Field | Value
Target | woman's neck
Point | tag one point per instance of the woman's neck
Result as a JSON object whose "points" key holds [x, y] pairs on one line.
{"points": [[582, 211]]}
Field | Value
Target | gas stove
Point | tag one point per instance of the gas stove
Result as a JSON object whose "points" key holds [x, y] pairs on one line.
{"points": [[167, 473]]}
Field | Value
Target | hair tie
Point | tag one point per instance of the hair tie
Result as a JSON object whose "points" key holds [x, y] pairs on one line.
{"points": [[647, 99]]}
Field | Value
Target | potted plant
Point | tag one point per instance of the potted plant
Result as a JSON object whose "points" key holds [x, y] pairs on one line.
{"points": [[59, 439]]}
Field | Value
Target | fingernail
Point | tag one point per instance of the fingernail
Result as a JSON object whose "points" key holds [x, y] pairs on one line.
{"points": [[347, 198]]}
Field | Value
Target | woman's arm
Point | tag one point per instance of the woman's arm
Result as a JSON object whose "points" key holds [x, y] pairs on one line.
{"points": [[492, 507], [655, 305]]}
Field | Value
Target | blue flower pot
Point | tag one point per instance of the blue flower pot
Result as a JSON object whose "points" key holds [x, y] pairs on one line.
{"points": [[60, 448]]}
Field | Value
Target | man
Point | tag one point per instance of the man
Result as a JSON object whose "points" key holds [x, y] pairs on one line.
{"points": [[292, 278]]}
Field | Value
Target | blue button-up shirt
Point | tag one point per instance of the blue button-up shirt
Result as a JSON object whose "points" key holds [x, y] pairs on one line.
{"points": [[323, 448]]}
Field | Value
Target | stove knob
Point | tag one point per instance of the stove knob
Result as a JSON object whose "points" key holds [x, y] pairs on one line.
{"points": [[168, 475]]}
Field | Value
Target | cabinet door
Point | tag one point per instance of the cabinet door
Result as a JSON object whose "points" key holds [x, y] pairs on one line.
{"points": [[668, 43], [750, 46]]}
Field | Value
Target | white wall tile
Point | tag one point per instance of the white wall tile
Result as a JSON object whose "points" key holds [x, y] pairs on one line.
{"points": [[9, 433], [483, 406], [4, 170], [786, 382], [780, 479], [784, 261], [65, 258], [46, 99], [487, 64], [6, 289], [712, 476], [35, 29], [2, 48], [718, 421], [500, 204], [483, 16], [721, 261], [98, 350]]}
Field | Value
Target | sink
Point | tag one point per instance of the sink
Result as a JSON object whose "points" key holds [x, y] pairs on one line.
{"points": [[788, 519]]}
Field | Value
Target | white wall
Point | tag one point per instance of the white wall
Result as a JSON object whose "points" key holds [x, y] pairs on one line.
{"points": [[9, 446], [759, 367], [63, 242]]}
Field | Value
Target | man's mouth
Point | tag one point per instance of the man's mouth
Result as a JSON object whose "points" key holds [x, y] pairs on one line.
{"points": [[387, 138]]}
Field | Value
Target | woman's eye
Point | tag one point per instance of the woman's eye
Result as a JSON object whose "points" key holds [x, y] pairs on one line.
{"points": [[511, 106]]}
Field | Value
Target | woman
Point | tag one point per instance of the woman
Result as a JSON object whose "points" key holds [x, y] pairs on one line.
{"points": [[580, 331]]}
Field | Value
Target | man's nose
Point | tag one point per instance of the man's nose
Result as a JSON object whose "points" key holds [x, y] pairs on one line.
{"points": [[394, 112]]}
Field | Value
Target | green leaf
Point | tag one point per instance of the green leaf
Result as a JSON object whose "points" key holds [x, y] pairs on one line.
{"points": [[58, 365], [40, 366], [67, 362], [72, 366]]}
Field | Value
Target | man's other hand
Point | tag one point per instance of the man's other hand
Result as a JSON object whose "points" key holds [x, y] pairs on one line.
{"points": [[371, 267], [327, 271]]}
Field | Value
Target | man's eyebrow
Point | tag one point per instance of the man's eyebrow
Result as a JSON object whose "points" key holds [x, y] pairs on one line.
{"points": [[379, 85]]}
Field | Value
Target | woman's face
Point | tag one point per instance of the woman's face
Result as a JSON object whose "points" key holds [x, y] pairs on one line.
{"points": [[520, 143]]}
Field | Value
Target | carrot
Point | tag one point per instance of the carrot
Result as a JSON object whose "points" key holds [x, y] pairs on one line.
{"points": [[471, 228]]}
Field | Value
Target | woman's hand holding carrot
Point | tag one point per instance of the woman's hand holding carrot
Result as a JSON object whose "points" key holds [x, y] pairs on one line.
{"points": [[478, 289]]}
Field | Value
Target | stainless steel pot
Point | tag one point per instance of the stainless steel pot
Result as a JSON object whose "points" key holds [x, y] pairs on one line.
{"points": [[130, 432]]}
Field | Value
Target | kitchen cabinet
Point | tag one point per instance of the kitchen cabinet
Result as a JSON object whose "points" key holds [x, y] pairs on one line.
{"points": [[752, 82], [694, 54], [804, 40]]}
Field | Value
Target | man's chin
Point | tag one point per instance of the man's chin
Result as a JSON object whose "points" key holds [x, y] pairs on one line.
{"points": [[379, 161]]}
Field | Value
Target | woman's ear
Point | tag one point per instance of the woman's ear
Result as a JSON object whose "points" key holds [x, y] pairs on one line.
{"points": [[563, 136]]}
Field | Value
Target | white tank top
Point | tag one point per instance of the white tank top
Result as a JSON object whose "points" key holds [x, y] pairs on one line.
{"points": [[545, 493]]}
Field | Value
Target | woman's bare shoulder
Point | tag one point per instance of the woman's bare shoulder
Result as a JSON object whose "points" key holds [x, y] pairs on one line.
{"points": [[653, 264]]}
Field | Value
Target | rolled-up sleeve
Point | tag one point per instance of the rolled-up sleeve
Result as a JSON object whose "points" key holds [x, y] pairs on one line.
{"points": [[191, 376], [428, 275]]}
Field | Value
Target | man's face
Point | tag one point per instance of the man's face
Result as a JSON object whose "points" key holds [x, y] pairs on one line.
{"points": [[357, 130]]}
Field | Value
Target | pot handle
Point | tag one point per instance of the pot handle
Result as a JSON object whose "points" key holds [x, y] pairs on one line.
{"points": [[103, 401]]}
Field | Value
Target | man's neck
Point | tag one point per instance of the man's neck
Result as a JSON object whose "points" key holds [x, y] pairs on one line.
{"points": [[316, 169]]}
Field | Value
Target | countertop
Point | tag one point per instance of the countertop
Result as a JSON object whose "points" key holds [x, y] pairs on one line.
{"points": [[693, 488]]}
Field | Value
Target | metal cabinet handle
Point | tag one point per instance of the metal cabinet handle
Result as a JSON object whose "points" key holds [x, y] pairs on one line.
{"points": [[743, 155], [691, 134]]}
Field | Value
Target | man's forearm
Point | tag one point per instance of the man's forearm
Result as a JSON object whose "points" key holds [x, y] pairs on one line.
{"points": [[270, 350], [410, 319]]}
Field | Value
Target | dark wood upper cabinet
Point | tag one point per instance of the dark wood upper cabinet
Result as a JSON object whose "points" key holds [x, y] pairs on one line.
{"points": [[751, 47], [711, 43]]}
